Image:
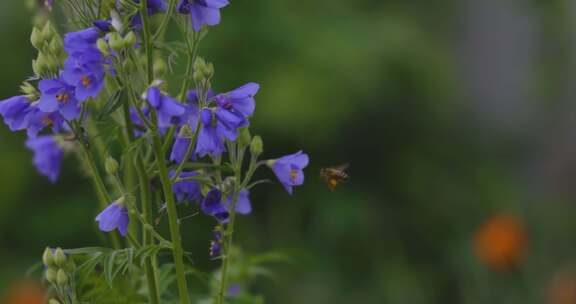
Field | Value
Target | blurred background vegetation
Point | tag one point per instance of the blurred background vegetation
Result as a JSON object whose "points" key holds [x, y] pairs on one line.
{"points": [[450, 113]]}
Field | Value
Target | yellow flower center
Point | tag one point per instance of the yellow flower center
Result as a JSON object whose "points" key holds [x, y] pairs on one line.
{"points": [[85, 81], [62, 98], [47, 121], [293, 175]]}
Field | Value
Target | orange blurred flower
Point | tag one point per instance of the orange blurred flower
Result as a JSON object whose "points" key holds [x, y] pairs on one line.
{"points": [[500, 242], [24, 292]]}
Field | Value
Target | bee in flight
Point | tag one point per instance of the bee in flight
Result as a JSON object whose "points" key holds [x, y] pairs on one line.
{"points": [[334, 175]]}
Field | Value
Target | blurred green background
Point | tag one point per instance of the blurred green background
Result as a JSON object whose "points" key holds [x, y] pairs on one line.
{"points": [[449, 112]]}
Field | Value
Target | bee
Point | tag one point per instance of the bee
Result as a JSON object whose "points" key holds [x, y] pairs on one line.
{"points": [[334, 175]]}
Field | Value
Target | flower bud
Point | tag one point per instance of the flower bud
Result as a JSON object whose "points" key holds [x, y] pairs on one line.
{"points": [[199, 64], [208, 70], [130, 40], [61, 278], [103, 47], [111, 165], [116, 42], [244, 137], [56, 47], [36, 38], [60, 258], [52, 63], [42, 64], [29, 90], [48, 32], [36, 67], [257, 146], [228, 184], [198, 76], [185, 132], [53, 301], [48, 257], [160, 67], [51, 275]]}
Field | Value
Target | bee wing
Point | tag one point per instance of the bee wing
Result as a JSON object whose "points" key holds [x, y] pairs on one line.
{"points": [[343, 167]]}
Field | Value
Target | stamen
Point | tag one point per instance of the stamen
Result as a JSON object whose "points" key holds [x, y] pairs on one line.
{"points": [[47, 121], [63, 98], [85, 81], [293, 175]]}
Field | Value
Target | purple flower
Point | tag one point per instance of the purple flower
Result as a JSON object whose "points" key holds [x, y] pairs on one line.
{"points": [[47, 156], [209, 139], [103, 25], [15, 110], [186, 191], [179, 149], [36, 121], [202, 12], [139, 127], [84, 68], [234, 290], [288, 169], [115, 216], [79, 43], [58, 96], [86, 76], [240, 100], [243, 205], [212, 205], [154, 7], [169, 110], [219, 206]]}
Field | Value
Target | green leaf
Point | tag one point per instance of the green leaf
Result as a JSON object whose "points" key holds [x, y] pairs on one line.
{"points": [[113, 103]]}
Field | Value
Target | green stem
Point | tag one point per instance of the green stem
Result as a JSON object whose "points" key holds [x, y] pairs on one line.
{"points": [[188, 153], [147, 40], [160, 31], [146, 205], [178, 252], [229, 233], [193, 53], [102, 193]]}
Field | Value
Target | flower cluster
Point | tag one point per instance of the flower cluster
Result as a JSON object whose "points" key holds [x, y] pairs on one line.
{"points": [[57, 101], [194, 144]]}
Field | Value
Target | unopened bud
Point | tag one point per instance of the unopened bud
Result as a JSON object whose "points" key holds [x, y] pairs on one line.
{"points": [[245, 137], [103, 47], [35, 67], [111, 165], [51, 275], [130, 40], [42, 63], [48, 32], [199, 64], [62, 278], [53, 301], [208, 70], [48, 257], [52, 63], [29, 90], [185, 132], [228, 184], [160, 67], [36, 38], [56, 47], [198, 76], [116, 42], [257, 145], [60, 258]]}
